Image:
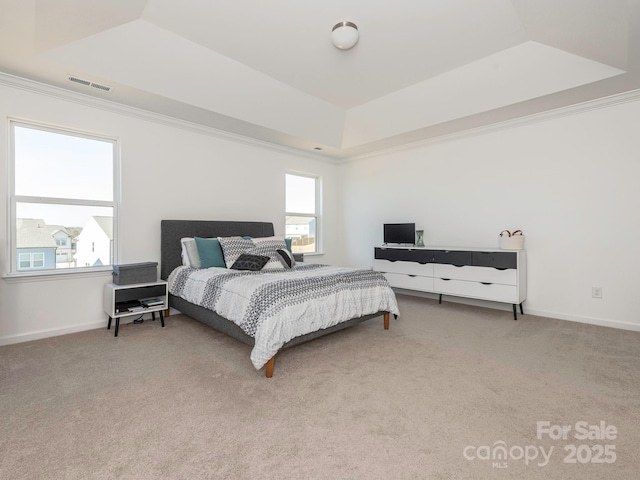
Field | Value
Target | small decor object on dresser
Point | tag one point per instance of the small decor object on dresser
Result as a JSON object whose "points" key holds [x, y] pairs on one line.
{"points": [[420, 241], [511, 240]]}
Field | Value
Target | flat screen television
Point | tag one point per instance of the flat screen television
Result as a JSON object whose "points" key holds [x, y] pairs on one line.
{"points": [[400, 233]]}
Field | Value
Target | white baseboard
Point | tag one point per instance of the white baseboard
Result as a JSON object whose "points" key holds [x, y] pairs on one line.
{"points": [[527, 311], [52, 332], [588, 320]]}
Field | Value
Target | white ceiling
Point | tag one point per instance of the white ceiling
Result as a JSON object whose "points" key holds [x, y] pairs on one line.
{"points": [[268, 70]]}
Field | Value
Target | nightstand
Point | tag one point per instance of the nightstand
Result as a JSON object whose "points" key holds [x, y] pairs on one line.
{"points": [[135, 299]]}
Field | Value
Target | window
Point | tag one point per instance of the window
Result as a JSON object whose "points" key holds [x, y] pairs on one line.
{"points": [[29, 261], [61, 181], [302, 200]]}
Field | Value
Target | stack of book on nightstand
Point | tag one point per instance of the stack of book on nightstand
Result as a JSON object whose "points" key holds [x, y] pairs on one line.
{"points": [[152, 302], [130, 306]]}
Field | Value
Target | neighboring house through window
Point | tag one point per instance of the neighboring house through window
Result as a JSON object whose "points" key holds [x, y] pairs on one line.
{"points": [[36, 247], [62, 183], [303, 206], [95, 242]]}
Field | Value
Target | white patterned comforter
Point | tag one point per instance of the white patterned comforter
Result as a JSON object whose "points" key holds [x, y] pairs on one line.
{"points": [[274, 307]]}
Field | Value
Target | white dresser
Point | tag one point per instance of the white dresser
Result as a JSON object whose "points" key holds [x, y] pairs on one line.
{"points": [[485, 274]]}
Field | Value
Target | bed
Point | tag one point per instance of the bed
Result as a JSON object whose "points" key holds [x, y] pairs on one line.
{"points": [[289, 318]]}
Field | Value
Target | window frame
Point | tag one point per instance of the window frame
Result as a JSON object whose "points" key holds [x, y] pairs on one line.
{"points": [[318, 208], [14, 200]]}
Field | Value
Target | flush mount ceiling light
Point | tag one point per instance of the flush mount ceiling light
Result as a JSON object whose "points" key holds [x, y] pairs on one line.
{"points": [[345, 35]]}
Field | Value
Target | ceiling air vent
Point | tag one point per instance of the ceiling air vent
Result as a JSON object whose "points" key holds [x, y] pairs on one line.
{"points": [[87, 83]]}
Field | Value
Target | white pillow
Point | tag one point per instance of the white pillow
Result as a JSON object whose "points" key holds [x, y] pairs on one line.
{"points": [[190, 257]]}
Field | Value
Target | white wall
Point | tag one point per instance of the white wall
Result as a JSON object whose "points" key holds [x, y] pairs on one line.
{"points": [[571, 183], [167, 173]]}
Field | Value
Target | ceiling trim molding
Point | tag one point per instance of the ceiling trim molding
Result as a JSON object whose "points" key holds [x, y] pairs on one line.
{"points": [[60, 93], [569, 110]]}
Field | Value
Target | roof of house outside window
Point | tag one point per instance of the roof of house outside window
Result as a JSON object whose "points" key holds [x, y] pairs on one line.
{"points": [[34, 233], [106, 224]]}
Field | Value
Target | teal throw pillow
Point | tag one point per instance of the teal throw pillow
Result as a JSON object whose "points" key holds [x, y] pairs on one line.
{"points": [[210, 252], [288, 241]]}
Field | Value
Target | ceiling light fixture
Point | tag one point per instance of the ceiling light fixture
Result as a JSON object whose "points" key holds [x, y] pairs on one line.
{"points": [[345, 35]]}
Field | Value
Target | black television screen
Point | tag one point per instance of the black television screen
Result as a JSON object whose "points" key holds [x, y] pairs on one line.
{"points": [[400, 233]]}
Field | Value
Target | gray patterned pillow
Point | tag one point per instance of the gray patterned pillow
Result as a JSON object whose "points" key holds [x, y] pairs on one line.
{"points": [[267, 251], [233, 247], [268, 246]]}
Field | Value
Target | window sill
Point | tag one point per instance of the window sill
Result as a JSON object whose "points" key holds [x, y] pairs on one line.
{"points": [[57, 274]]}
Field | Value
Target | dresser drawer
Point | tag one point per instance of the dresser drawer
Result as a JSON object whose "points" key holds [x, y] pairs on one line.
{"points": [[476, 274], [410, 268], [495, 259], [417, 255], [463, 288], [409, 282], [452, 257]]}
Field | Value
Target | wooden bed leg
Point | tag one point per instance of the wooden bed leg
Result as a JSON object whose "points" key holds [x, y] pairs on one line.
{"points": [[386, 321], [166, 312], [269, 367]]}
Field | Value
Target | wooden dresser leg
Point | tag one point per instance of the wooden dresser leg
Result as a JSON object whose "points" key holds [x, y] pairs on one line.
{"points": [[386, 321], [269, 367]]}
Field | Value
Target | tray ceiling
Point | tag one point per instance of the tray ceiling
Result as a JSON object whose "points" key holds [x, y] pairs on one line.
{"points": [[268, 70]]}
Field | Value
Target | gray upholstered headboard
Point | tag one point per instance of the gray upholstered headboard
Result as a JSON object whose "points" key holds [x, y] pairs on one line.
{"points": [[171, 231]]}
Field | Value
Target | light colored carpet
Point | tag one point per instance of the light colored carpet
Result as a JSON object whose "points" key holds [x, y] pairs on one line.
{"points": [[184, 402]]}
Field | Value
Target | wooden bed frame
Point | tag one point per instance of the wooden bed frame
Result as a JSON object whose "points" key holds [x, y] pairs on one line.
{"points": [[171, 231]]}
